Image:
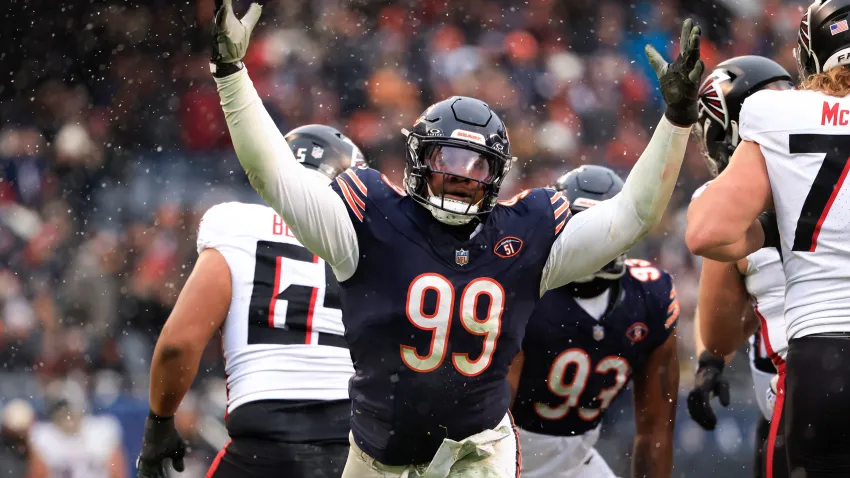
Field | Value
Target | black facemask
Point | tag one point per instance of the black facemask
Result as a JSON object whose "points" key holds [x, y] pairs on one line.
{"points": [[587, 290]]}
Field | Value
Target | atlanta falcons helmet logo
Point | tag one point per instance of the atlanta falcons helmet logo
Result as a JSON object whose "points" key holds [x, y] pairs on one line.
{"points": [[711, 99], [804, 34]]}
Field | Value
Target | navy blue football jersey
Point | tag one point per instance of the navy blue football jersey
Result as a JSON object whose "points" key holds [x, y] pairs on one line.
{"points": [[575, 365], [433, 322]]}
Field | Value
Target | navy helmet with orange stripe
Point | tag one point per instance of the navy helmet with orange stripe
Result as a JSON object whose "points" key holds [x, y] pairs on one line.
{"points": [[458, 154], [324, 149], [584, 187]]}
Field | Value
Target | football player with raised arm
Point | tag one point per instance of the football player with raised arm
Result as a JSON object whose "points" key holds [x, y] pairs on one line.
{"points": [[794, 159], [277, 308], [438, 278], [743, 299], [584, 343]]}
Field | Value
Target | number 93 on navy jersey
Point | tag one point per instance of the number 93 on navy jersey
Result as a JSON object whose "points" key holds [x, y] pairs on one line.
{"points": [[433, 321], [576, 365]]}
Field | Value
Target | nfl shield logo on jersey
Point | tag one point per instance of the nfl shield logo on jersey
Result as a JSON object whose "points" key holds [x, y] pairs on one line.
{"points": [[318, 152], [462, 257], [598, 332]]}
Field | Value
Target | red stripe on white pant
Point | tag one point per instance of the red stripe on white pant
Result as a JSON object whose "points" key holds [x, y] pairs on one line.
{"points": [[775, 420]]}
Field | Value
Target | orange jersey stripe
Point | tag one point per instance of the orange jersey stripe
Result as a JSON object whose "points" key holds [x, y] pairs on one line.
{"points": [[555, 197], [391, 184], [357, 181], [561, 209], [560, 226], [346, 192], [672, 314], [356, 197], [520, 196]]}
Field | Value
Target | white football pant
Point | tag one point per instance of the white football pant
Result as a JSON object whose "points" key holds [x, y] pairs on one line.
{"points": [[494, 455], [545, 456], [764, 392]]}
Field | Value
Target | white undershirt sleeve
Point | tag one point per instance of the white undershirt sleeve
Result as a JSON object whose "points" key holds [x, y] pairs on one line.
{"points": [[596, 236], [316, 215]]}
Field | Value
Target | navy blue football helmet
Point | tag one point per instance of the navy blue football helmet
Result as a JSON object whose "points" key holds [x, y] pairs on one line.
{"points": [[324, 149], [585, 187], [462, 139]]}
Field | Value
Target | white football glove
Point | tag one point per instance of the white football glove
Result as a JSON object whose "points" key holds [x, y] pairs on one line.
{"points": [[231, 35]]}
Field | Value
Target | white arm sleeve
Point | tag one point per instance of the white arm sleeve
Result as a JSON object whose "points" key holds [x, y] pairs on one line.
{"points": [[316, 215], [598, 235]]}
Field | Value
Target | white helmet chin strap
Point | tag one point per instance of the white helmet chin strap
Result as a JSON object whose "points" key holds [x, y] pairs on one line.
{"points": [[453, 213]]}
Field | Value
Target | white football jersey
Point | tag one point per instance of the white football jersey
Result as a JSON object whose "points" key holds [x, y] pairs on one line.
{"points": [[283, 336], [805, 139], [86, 454], [764, 279]]}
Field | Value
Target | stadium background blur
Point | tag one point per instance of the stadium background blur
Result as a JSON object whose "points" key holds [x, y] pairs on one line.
{"points": [[112, 146]]}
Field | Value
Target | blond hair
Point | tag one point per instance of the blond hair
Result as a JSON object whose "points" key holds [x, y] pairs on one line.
{"points": [[835, 82]]}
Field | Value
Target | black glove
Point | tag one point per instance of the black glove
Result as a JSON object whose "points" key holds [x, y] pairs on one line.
{"points": [[771, 229], [679, 81], [161, 442], [709, 382]]}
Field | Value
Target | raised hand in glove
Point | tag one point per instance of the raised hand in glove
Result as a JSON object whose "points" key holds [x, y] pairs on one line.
{"points": [[161, 442], [709, 382], [231, 36], [680, 80]]}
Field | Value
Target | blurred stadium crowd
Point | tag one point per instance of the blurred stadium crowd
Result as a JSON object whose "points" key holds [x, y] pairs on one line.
{"points": [[112, 146]]}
